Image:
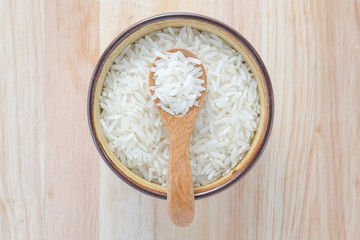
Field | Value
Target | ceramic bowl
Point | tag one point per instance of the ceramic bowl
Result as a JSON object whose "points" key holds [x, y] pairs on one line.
{"points": [[238, 42]]}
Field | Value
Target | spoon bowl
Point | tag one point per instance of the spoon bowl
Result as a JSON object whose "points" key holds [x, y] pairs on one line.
{"points": [[180, 189]]}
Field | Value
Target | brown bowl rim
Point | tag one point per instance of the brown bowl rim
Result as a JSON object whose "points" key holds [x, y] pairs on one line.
{"points": [[181, 15]]}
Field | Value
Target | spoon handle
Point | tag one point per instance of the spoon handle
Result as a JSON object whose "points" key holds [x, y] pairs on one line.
{"points": [[180, 189]]}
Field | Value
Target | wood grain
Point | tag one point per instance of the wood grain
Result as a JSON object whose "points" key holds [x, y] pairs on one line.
{"points": [[53, 184]]}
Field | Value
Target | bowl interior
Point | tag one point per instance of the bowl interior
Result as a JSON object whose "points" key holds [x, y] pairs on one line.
{"points": [[141, 29]]}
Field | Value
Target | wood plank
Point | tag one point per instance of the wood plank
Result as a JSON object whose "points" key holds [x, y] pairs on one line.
{"points": [[71, 193], [22, 140]]}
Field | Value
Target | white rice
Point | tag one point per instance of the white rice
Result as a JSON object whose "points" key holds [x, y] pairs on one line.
{"points": [[227, 120], [177, 82]]}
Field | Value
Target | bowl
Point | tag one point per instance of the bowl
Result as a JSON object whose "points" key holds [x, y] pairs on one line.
{"points": [[229, 35]]}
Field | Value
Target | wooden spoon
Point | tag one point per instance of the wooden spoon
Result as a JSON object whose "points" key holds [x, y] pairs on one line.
{"points": [[180, 188]]}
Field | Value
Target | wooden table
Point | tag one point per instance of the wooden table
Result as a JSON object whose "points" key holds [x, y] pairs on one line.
{"points": [[54, 185]]}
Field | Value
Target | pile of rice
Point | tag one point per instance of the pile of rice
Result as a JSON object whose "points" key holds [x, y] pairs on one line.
{"points": [[177, 82], [227, 120]]}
